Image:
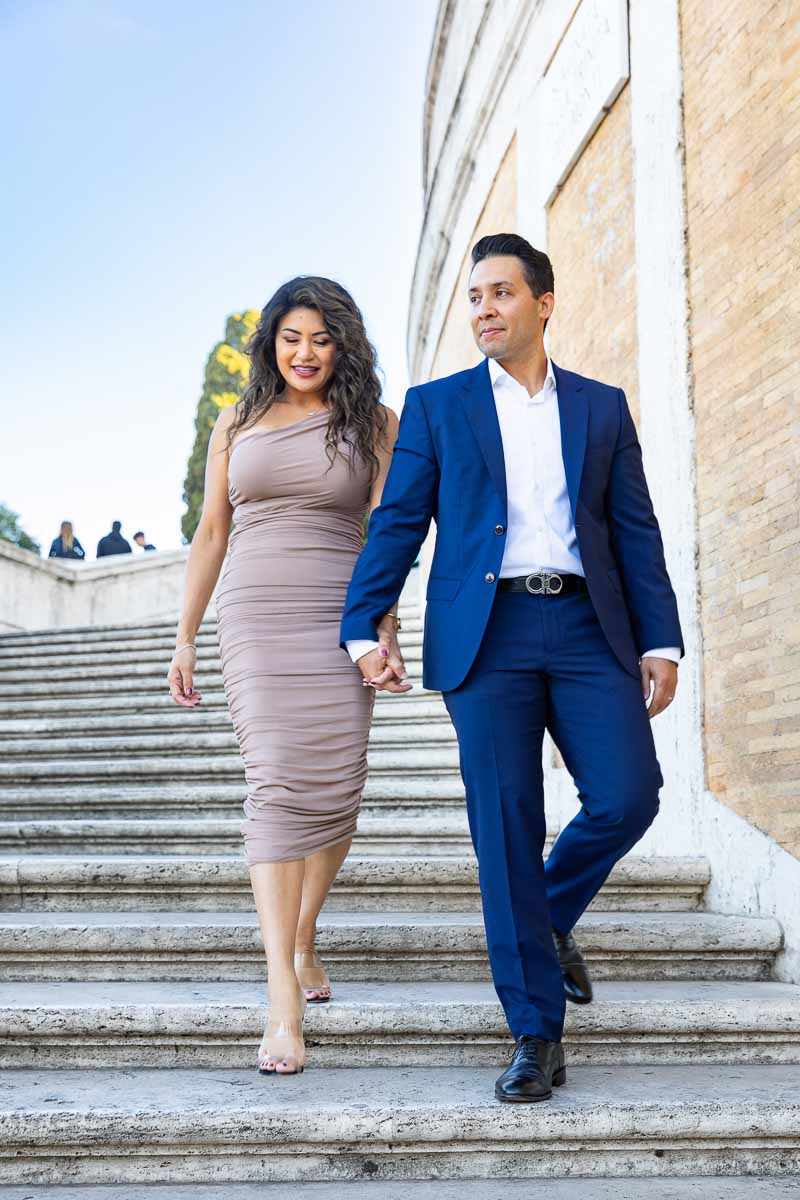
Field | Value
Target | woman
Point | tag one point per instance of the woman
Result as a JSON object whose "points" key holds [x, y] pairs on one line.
{"points": [[66, 545], [294, 467]]}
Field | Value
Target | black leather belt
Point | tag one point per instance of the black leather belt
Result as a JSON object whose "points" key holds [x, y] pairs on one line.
{"points": [[544, 583]]}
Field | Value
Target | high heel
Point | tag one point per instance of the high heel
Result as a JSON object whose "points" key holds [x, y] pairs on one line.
{"points": [[312, 977], [279, 1045]]}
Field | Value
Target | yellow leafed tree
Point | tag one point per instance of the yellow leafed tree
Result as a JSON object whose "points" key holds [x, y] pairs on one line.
{"points": [[226, 375]]}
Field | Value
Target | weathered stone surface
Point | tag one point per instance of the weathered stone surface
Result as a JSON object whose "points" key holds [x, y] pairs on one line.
{"points": [[98, 761], [212, 1025], [750, 1188], [417, 714], [169, 796], [140, 699], [431, 830], [194, 737], [209, 1126], [370, 946], [413, 761], [150, 652], [441, 883]]}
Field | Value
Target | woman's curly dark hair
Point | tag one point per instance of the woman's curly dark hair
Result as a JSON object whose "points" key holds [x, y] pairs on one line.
{"points": [[354, 392]]}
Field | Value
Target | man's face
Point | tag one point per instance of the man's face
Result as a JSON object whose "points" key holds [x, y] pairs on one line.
{"points": [[506, 317], [139, 540]]}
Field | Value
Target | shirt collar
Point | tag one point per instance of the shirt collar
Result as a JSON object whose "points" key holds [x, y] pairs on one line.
{"points": [[499, 376]]}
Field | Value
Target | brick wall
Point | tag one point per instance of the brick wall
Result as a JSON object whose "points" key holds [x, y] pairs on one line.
{"points": [[456, 349], [590, 240], [741, 62]]}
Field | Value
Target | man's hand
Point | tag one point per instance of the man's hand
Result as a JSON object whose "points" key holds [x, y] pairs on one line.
{"points": [[660, 674], [383, 669]]}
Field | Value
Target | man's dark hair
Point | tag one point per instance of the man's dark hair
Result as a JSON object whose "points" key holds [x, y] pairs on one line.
{"points": [[536, 266], [116, 526], [139, 533]]}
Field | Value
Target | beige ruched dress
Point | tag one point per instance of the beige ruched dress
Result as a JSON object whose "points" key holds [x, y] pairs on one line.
{"points": [[299, 710]]}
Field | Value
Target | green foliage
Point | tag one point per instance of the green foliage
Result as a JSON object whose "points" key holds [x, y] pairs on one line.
{"points": [[11, 531], [225, 378]]}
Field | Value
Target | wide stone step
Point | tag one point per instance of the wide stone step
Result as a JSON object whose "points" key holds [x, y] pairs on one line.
{"points": [[135, 650], [79, 679], [101, 700], [199, 1125], [415, 716], [101, 681], [371, 946], [213, 1025], [746, 1187], [397, 760], [407, 883], [76, 636], [87, 635], [94, 660], [192, 739], [163, 796], [434, 830]]}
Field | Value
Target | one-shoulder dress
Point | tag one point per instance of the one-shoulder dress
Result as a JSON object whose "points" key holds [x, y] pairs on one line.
{"points": [[299, 710]]}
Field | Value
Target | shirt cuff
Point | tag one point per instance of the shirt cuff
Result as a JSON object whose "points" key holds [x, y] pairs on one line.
{"points": [[671, 652], [358, 648]]}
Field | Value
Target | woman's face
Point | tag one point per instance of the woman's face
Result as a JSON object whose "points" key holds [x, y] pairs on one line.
{"points": [[66, 527], [305, 351]]}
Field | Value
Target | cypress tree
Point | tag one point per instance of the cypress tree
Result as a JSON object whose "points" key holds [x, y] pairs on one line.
{"points": [[226, 374]]}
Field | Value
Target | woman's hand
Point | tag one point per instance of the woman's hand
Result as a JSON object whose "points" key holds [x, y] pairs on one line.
{"points": [[384, 669], [181, 677]]}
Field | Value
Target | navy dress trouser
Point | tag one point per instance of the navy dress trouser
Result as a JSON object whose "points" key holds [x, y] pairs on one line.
{"points": [[545, 663]]}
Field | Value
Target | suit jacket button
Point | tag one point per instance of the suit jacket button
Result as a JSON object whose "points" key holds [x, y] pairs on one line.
{"points": [[490, 578], [499, 529]]}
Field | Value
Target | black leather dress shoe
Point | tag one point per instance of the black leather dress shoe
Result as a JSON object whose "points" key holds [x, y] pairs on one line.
{"points": [[577, 984], [536, 1068]]}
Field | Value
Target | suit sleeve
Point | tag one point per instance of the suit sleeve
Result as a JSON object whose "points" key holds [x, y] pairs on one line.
{"points": [[397, 528], [637, 545]]}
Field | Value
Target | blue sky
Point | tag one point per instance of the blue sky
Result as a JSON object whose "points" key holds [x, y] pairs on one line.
{"points": [[166, 164]]}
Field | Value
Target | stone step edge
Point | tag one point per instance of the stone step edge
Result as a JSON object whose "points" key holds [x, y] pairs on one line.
{"points": [[376, 881], [417, 1122], [419, 736], [348, 934], [406, 611], [231, 870], [749, 1187], [400, 1012]]}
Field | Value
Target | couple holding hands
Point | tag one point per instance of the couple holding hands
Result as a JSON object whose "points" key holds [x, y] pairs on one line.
{"points": [[548, 607]]}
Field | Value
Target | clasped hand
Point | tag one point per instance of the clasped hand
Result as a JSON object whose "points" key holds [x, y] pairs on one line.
{"points": [[383, 669]]}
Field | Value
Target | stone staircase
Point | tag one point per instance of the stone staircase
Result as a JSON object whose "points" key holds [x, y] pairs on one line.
{"points": [[132, 996]]}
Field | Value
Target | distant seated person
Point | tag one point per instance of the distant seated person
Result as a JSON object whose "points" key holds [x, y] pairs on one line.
{"points": [[113, 543], [66, 545], [141, 543]]}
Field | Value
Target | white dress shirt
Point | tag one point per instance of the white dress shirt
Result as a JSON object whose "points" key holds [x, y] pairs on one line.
{"points": [[540, 534]]}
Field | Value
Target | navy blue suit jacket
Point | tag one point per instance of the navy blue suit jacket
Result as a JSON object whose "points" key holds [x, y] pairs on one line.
{"points": [[448, 466]]}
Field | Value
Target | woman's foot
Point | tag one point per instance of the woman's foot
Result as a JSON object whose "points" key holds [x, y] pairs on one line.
{"points": [[282, 1050], [312, 976]]}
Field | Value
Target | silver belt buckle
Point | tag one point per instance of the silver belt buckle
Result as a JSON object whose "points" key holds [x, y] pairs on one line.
{"points": [[550, 583]]}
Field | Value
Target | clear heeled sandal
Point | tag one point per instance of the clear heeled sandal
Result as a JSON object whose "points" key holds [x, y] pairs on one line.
{"points": [[312, 977], [282, 1050]]}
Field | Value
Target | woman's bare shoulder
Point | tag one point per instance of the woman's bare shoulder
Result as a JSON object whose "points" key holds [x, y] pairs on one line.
{"points": [[392, 419]]}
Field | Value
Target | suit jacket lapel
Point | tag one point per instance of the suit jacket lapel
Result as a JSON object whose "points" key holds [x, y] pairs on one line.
{"points": [[573, 412], [478, 400]]}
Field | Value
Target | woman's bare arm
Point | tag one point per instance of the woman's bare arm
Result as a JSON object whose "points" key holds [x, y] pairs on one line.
{"points": [[206, 556]]}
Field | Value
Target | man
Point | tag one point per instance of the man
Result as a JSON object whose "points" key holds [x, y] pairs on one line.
{"points": [[114, 542], [548, 607], [142, 542]]}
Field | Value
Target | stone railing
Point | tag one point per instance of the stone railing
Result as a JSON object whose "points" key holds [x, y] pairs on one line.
{"points": [[51, 593]]}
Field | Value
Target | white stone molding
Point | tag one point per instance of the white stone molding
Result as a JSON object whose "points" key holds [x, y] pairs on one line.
{"points": [[666, 424], [52, 593], [581, 83]]}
